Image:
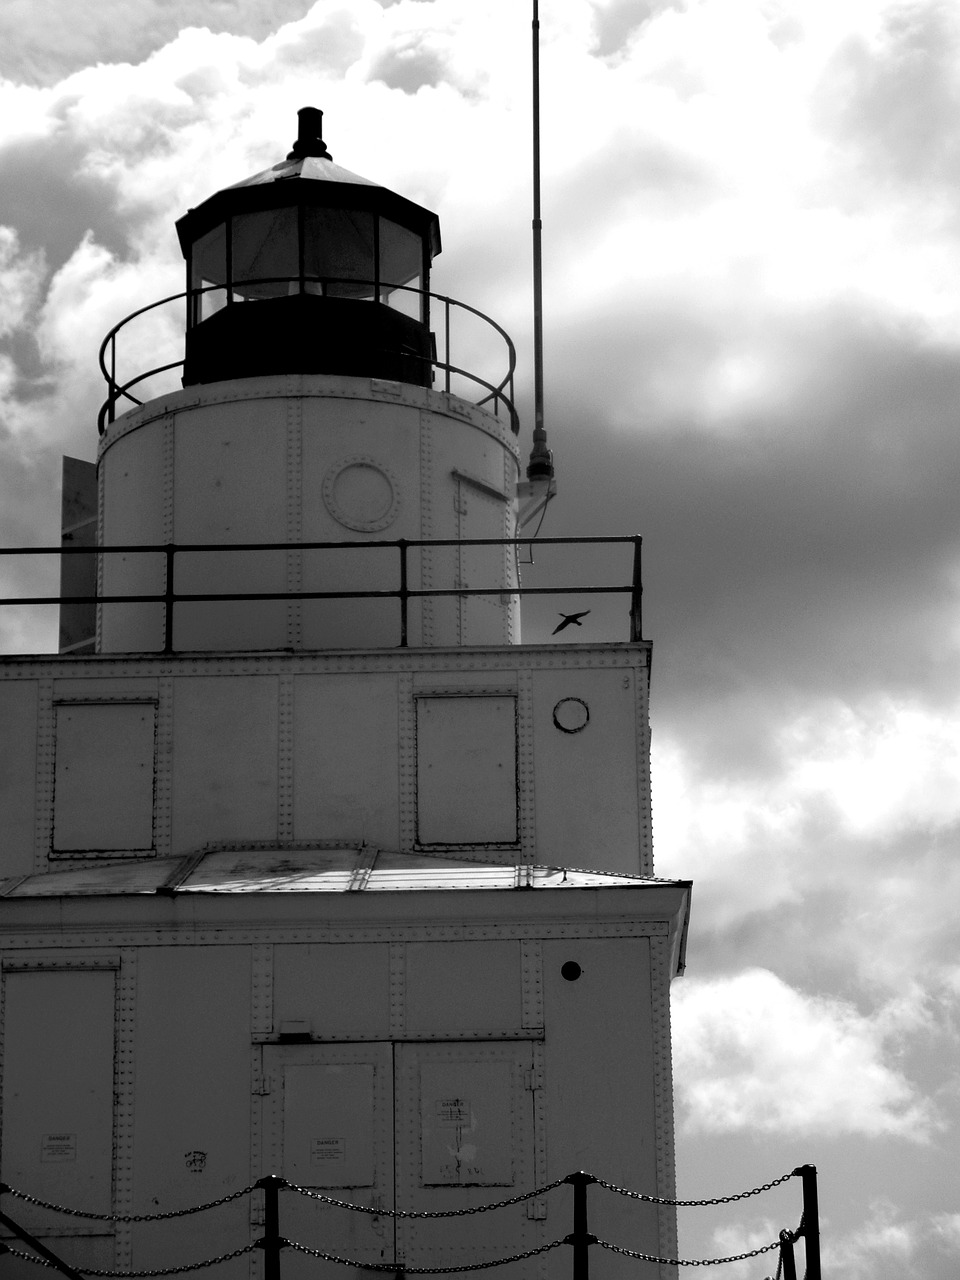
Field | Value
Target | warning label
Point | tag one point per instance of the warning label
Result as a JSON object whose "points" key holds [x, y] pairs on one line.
{"points": [[453, 1113], [328, 1150], [58, 1148]]}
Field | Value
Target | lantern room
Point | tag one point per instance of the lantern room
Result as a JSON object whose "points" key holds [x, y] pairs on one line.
{"points": [[337, 267]]}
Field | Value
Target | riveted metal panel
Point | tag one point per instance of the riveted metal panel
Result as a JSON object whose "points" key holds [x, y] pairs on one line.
{"points": [[457, 987], [192, 1096], [287, 759], [261, 1013], [346, 759], [467, 770], [163, 790], [18, 775], [329, 1117], [46, 759], [133, 500], [125, 1122], [231, 486], [58, 1110], [333, 992], [586, 769], [526, 772], [660, 973], [104, 788], [599, 1078], [407, 725], [225, 781], [464, 1129], [531, 954], [294, 518]]}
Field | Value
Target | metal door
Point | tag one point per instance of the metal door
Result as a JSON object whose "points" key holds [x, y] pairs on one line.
{"points": [[410, 1126], [330, 1130]]}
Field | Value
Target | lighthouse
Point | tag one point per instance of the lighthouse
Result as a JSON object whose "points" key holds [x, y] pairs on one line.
{"points": [[312, 867]]}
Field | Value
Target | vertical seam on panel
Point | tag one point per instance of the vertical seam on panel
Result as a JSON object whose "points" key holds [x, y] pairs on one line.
{"points": [[45, 779], [531, 963], [397, 990], [167, 505], [526, 797], [644, 781], [126, 1001], [163, 799], [100, 491], [285, 761], [261, 1014], [294, 532], [426, 557], [663, 1096], [408, 761]]}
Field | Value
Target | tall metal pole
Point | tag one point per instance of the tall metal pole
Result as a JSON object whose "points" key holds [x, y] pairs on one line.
{"points": [[811, 1221], [541, 461]]}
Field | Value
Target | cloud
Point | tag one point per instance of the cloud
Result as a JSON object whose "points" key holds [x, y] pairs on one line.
{"points": [[753, 1053]]}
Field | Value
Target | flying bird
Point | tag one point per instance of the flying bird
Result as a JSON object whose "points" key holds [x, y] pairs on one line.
{"points": [[570, 619]]}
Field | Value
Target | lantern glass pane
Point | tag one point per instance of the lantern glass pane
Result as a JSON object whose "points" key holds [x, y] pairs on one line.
{"points": [[266, 254], [338, 254], [208, 267], [401, 263]]}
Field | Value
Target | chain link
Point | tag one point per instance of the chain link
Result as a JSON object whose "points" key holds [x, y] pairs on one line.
{"points": [[687, 1262], [128, 1217], [687, 1204], [421, 1271], [426, 1213], [140, 1275]]}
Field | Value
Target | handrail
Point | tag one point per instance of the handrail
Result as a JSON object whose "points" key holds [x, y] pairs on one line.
{"points": [[498, 393], [403, 592]]}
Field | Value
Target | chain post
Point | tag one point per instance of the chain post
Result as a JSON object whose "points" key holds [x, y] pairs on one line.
{"points": [[271, 1242], [580, 1237], [811, 1221]]}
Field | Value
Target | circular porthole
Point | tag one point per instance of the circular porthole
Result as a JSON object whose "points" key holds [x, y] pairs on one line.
{"points": [[570, 970], [571, 715], [361, 494]]}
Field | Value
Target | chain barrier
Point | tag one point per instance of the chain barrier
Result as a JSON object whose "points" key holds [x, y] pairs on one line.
{"points": [[687, 1262], [280, 1183], [426, 1213], [141, 1275], [690, 1204], [125, 1217], [422, 1271]]}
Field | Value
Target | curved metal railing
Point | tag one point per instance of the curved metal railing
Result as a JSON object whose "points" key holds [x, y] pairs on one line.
{"points": [[497, 394]]}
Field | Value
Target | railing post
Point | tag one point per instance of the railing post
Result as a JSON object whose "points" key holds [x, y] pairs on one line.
{"points": [[446, 343], [636, 621], [271, 1242], [811, 1221], [788, 1262], [580, 1238], [169, 552], [404, 597]]}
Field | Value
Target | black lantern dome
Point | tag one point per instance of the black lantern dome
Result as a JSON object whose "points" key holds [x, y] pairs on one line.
{"points": [[338, 269]]}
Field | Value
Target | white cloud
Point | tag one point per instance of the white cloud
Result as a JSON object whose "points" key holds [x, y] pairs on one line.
{"points": [[752, 1053]]}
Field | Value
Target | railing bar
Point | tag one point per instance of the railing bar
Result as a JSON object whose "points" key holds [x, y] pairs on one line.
{"points": [[155, 548]]}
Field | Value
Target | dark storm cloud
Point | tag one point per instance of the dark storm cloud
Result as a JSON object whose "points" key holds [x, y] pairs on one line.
{"points": [[52, 204], [796, 554]]}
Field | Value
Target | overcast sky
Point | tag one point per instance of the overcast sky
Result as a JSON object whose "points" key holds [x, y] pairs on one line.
{"points": [[752, 287]]}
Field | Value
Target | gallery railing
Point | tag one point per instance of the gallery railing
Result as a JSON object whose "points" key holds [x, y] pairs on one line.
{"points": [[148, 328], [170, 597]]}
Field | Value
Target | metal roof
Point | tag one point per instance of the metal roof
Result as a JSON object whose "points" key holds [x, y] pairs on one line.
{"points": [[301, 870]]}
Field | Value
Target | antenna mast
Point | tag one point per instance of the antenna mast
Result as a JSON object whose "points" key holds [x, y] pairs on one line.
{"points": [[541, 459]]}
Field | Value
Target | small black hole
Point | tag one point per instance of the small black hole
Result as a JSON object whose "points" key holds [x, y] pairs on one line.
{"points": [[571, 971]]}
